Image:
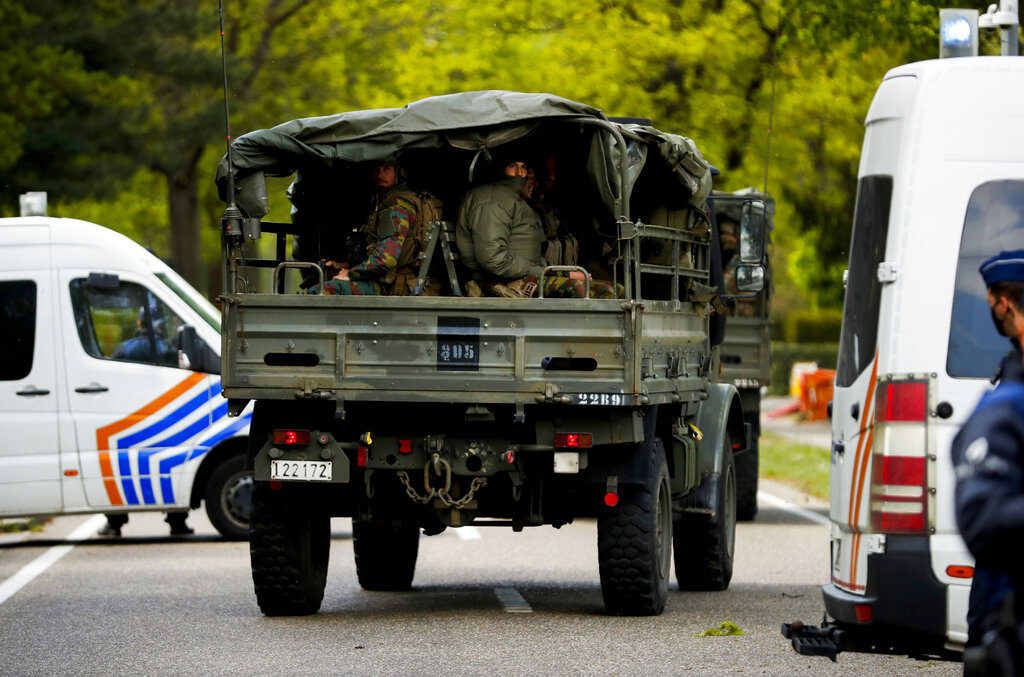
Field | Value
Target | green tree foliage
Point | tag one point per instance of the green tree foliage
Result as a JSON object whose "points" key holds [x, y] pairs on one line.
{"points": [[119, 88]]}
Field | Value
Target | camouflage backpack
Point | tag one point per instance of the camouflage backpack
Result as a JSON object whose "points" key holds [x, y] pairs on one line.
{"points": [[428, 210]]}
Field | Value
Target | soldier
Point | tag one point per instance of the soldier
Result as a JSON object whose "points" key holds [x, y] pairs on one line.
{"points": [[393, 218], [988, 455], [499, 237], [561, 247]]}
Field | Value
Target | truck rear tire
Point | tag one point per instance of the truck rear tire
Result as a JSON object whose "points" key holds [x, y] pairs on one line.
{"points": [[290, 548], [634, 544], [704, 545], [229, 498], [385, 556], [746, 483]]}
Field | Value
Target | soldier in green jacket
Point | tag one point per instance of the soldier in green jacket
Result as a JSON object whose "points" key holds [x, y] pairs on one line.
{"points": [[499, 235]]}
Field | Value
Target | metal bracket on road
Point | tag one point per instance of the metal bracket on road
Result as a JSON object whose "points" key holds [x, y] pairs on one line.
{"points": [[815, 640]]}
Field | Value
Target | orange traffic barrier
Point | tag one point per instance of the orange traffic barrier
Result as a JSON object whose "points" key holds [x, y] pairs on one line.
{"points": [[816, 393]]}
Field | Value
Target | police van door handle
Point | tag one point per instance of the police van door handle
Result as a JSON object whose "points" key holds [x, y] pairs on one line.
{"points": [[32, 391], [92, 388]]}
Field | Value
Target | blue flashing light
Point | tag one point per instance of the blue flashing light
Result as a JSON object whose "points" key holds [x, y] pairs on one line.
{"points": [[957, 33]]}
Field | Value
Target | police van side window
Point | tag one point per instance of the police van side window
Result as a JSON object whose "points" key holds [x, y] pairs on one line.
{"points": [[994, 222], [125, 322], [863, 290], [18, 319]]}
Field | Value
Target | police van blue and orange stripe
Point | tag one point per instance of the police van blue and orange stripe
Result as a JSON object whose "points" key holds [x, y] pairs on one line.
{"points": [[177, 427]]}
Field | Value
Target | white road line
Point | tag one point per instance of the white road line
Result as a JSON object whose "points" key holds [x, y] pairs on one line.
{"points": [[795, 509], [513, 601], [468, 533], [27, 573]]}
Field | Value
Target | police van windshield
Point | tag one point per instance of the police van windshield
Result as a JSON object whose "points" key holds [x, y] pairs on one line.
{"points": [[201, 306], [994, 222]]}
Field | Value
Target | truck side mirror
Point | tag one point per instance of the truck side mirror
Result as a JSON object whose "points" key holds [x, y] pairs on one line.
{"points": [[753, 225], [749, 278]]}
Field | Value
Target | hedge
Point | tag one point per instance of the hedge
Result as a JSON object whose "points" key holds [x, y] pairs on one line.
{"points": [[784, 354]]}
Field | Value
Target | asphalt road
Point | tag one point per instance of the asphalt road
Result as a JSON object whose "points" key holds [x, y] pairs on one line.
{"points": [[486, 601]]}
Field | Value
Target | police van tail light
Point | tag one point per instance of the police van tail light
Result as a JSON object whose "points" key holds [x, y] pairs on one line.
{"points": [[899, 465], [901, 401]]}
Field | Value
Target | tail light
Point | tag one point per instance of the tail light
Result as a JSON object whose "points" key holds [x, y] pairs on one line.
{"points": [[899, 476], [574, 440], [291, 438]]}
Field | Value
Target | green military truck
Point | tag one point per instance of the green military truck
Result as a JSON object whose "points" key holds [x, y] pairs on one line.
{"points": [[412, 414], [746, 349]]}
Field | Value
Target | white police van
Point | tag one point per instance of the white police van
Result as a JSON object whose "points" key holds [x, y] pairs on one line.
{"points": [[109, 382], [941, 188]]}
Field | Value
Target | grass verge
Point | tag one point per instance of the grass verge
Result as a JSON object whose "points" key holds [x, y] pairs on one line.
{"points": [[15, 525], [801, 466]]}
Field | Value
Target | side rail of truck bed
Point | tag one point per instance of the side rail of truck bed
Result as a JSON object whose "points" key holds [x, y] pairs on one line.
{"points": [[523, 351]]}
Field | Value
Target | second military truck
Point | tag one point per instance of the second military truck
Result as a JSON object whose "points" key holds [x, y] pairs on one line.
{"points": [[418, 413]]}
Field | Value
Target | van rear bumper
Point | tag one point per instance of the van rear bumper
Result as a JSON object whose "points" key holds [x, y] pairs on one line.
{"points": [[901, 591]]}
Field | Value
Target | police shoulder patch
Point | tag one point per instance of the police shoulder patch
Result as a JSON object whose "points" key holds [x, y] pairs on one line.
{"points": [[976, 451]]}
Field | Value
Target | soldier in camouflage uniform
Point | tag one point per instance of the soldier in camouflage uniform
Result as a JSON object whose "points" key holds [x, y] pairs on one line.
{"points": [[499, 238], [392, 220]]}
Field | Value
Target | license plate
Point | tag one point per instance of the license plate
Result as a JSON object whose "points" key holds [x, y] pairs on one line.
{"points": [[313, 471], [601, 399]]}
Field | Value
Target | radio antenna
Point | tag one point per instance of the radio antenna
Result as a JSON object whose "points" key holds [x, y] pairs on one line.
{"points": [[231, 222], [232, 209], [771, 105]]}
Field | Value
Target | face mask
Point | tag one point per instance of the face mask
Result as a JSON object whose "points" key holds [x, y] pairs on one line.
{"points": [[999, 323]]}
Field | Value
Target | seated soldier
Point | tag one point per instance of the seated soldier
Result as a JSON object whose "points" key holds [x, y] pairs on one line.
{"points": [[499, 238], [393, 218], [561, 248]]}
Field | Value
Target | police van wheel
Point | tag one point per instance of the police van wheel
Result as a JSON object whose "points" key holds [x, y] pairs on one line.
{"points": [[634, 544], [746, 483], [385, 554], [704, 545], [229, 498], [289, 548]]}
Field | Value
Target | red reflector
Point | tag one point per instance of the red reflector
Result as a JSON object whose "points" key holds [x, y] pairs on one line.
{"points": [[276, 485], [405, 446], [289, 438], [863, 612], [902, 470], [611, 499], [902, 401], [574, 440], [959, 571], [70, 473], [361, 457]]}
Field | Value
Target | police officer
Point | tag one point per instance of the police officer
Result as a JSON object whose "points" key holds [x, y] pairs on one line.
{"points": [[988, 455]]}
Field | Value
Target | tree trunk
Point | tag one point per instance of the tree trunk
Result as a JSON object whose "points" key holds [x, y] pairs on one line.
{"points": [[183, 199]]}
